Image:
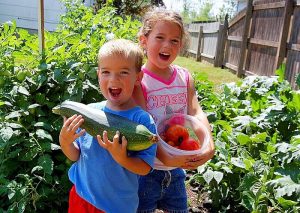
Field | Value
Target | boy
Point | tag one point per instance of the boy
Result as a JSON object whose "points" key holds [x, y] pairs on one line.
{"points": [[105, 175]]}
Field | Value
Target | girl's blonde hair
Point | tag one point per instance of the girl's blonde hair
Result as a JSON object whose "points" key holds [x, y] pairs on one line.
{"points": [[126, 48], [162, 14]]}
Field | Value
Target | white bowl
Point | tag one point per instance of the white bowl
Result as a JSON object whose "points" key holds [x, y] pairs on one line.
{"points": [[196, 129]]}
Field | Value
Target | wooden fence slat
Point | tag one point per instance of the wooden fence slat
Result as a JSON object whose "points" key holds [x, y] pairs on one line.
{"points": [[221, 43], [210, 31], [240, 71], [264, 42], [200, 36], [231, 66], [234, 38], [269, 6], [208, 56], [295, 47], [281, 51], [237, 18]]}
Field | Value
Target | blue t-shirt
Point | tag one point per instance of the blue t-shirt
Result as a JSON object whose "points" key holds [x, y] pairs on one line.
{"points": [[99, 179]]}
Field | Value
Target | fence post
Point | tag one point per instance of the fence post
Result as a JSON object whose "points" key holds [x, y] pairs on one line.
{"points": [[41, 33], [200, 43], [240, 70], [219, 57], [281, 50]]}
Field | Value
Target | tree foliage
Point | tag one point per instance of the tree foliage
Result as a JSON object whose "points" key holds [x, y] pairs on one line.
{"points": [[33, 170], [128, 7]]}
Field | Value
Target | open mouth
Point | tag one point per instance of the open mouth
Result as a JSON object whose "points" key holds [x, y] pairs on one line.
{"points": [[164, 56], [115, 92]]}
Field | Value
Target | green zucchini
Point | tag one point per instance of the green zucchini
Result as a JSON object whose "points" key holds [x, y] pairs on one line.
{"points": [[96, 121]]}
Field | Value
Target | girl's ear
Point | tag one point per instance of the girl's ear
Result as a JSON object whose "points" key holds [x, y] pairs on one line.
{"points": [[139, 77], [143, 40]]}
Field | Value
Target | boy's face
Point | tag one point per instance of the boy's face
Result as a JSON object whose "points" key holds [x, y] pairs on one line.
{"points": [[117, 77]]}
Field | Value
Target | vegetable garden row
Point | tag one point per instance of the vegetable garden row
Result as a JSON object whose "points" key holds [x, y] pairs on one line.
{"points": [[256, 122]]}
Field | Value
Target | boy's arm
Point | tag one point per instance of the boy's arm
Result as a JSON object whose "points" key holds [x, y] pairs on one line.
{"points": [[68, 135], [119, 154]]}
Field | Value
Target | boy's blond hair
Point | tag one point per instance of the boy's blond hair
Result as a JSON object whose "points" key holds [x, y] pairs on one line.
{"points": [[126, 48], [162, 14]]}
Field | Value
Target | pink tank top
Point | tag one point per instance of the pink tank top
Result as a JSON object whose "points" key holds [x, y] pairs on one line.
{"points": [[163, 96]]}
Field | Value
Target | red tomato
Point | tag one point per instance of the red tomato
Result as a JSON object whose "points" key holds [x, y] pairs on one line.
{"points": [[177, 133], [189, 144]]}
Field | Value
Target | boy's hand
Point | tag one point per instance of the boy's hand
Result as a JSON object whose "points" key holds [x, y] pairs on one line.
{"points": [[118, 151], [68, 132]]}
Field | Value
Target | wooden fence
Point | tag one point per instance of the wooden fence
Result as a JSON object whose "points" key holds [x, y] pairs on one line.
{"points": [[207, 41], [258, 40]]}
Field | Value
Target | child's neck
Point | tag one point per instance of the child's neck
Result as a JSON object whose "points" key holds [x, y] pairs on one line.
{"points": [[121, 106], [164, 73]]}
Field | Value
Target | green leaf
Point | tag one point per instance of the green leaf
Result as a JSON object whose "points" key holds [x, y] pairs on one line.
{"points": [[73, 38], [283, 147], [208, 176], [14, 114], [36, 168], [288, 190], [55, 147], [249, 164], [298, 80], [5, 134], [296, 99], [243, 139], [46, 163], [218, 176], [238, 162], [280, 72], [248, 200], [285, 203], [259, 138], [43, 134], [23, 90], [247, 182], [284, 186], [57, 75], [295, 140]]}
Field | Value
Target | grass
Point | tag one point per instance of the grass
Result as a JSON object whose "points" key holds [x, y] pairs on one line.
{"points": [[216, 75]]}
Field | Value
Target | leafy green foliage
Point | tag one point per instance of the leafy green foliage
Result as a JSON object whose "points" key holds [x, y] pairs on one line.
{"points": [[33, 169], [256, 125]]}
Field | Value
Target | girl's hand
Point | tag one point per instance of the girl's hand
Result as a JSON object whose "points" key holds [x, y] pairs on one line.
{"points": [[68, 132], [198, 160], [118, 151]]}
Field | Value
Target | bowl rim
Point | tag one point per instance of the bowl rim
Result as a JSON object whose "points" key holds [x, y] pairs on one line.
{"points": [[203, 128]]}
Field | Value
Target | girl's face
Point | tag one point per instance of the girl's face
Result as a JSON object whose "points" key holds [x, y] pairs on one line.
{"points": [[162, 45], [117, 77]]}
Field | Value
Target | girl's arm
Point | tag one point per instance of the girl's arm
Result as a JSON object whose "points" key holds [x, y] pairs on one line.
{"points": [[119, 154], [194, 109], [172, 160]]}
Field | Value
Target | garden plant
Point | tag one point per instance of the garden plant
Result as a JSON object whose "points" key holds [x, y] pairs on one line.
{"points": [[255, 122]]}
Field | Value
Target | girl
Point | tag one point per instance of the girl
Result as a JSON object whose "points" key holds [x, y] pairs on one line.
{"points": [[166, 87]]}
